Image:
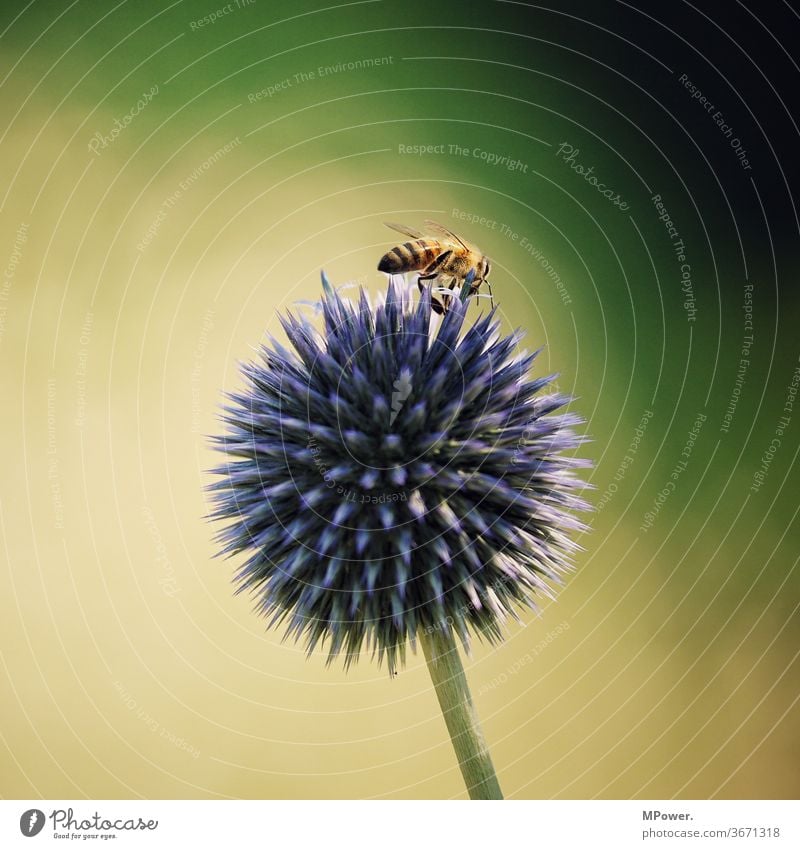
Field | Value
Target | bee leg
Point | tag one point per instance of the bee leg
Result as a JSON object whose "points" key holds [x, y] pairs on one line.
{"points": [[419, 282], [446, 298], [433, 270], [438, 262], [491, 296], [430, 273], [436, 304]]}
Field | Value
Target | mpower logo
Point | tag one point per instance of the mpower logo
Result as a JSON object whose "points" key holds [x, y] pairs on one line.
{"points": [[31, 822]]}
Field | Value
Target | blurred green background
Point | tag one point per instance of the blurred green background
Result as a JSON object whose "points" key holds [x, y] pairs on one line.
{"points": [[175, 175]]}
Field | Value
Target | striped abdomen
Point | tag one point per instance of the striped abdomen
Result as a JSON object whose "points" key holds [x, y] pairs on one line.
{"points": [[415, 255]]}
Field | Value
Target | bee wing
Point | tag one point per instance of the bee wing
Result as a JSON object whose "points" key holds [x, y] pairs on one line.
{"points": [[449, 235], [406, 231]]}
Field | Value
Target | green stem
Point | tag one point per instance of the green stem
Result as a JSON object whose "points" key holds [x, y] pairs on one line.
{"points": [[455, 700]]}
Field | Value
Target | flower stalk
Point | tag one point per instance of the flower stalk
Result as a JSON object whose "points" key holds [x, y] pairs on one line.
{"points": [[460, 716]]}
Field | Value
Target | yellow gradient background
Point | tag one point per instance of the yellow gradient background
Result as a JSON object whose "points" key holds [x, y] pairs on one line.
{"points": [[667, 666]]}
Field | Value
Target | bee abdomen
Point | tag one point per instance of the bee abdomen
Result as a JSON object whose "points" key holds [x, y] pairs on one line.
{"points": [[391, 262], [406, 257]]}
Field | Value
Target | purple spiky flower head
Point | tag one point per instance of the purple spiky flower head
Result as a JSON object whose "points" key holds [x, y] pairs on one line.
{"points": [[383, 478]]}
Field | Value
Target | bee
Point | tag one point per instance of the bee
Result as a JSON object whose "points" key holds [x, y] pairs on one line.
{"points": [[437, 254]]}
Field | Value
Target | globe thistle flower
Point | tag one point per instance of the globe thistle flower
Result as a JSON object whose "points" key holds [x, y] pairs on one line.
{"points": [[390, 483]]}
